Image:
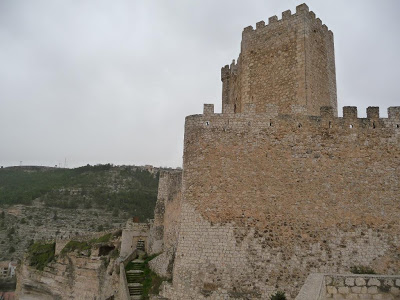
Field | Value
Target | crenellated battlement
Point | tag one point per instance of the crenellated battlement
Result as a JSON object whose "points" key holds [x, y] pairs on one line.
{"points": [[228, 70], [327, 118], [288, 62], [302, 10]]}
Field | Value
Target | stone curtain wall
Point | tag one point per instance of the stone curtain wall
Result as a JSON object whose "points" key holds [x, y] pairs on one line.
{"points": [[165, 229], [268, 199], [288, 62]]}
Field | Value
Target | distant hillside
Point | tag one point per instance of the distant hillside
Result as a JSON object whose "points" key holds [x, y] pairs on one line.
{"points": [[123, 188]]}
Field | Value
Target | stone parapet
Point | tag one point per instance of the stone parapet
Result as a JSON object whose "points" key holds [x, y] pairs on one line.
{"points": [[350, 286]]}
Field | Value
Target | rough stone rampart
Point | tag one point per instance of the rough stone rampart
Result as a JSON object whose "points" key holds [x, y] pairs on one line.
{"points": [[165, 230], [278, 186], [270, 198]]}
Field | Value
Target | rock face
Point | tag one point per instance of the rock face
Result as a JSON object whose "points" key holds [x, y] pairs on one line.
{"points": [[70, 277], [33, 223]]}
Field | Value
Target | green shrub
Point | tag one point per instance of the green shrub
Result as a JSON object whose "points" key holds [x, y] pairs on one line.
{"points": [[114, 253], [103, 239], [75, 245], [151, 282], [279, 295], [361, 270], [40, 254]]}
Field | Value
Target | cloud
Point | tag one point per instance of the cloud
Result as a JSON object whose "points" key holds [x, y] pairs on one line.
{"points": [[96, 82]]}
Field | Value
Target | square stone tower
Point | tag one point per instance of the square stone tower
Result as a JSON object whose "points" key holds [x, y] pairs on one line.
{"points": [[289, 63]]}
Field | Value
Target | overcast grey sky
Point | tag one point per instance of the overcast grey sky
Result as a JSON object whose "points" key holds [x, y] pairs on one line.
{"points": [[112, 81]]}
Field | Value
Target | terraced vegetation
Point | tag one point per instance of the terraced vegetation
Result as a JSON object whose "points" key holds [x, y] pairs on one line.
{"points": [[126, 188]]}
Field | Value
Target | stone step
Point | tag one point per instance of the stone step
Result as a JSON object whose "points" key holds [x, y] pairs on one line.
{"points": [[136, 297], [139, 274], [135, 284], [134, 275], [135, 294], [138, 261], [139, 280], [134, 272]]}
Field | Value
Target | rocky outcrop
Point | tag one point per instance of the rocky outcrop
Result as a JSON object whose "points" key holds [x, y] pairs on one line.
{"points": [[71, 276]]}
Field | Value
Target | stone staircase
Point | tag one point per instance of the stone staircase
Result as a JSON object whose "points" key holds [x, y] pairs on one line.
{"points": [[135, 278]]}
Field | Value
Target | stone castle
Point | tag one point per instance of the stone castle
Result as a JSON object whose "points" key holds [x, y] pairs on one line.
{"points": [[277, 193], [277, 186]]}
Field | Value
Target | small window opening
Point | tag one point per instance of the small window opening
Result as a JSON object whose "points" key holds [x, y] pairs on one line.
{"points": [[397, 125], [234, 108], [207, 123], [330, 124], [270, 123], [299, 125], [373, 125], [351, 126]]}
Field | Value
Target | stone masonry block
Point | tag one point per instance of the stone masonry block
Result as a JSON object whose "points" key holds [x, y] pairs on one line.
{"points": [[388, 282], [373, 112], [394, 112], [349, 112], [395, 291], [208, 109], [331, 289], [374, 282], [343, 290], [349, 281], [272, 19], [360, 281], [372, 290], [286, 14], [260, 24], [302, 8]]}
